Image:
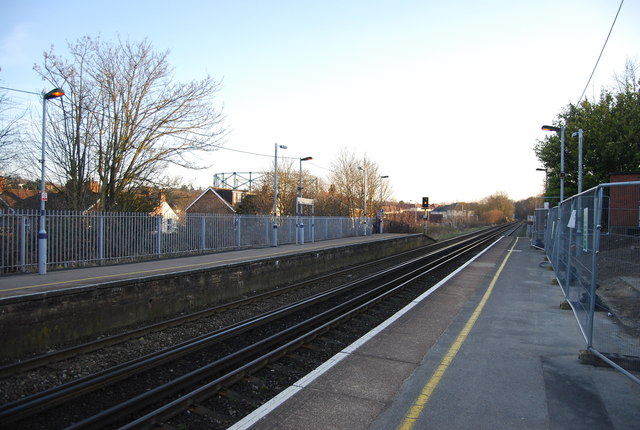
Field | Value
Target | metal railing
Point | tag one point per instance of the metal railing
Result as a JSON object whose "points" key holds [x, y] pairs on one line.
{"points": [[593, 243], [78, 239]]}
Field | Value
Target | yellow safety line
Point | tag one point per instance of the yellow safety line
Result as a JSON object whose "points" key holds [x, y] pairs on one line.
{"points": [[138, 273], [421, 401]]}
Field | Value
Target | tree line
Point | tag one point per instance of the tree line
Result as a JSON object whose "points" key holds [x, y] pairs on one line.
{"points": [[611, 137]]}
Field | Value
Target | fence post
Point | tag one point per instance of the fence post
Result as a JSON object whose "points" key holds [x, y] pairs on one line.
{"points": [[266, 232], [23, 244], [159, 235], [100, 238], [558, 232], [238, 221], [570, 240], [597, 228], [203, 233]]}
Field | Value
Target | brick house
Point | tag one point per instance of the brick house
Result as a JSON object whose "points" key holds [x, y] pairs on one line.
{"points": [[216, 201], [624, 203]]}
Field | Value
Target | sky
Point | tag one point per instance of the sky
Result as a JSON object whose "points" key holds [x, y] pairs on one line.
{"points": [[447, 98]]}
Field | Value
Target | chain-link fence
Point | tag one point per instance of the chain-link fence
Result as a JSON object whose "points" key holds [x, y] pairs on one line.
{"points": [[593, 243], [77, 239]]}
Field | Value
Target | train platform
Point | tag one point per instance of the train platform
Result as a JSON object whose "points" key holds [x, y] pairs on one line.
{"points": [[30, 283], [487, 348]]}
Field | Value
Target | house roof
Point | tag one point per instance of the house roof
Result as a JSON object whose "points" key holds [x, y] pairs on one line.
{"points": [[181, 199], [20, 199], [215, 193]]}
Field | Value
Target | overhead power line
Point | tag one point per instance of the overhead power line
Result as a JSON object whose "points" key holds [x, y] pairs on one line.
{"points": [[600, 56]]}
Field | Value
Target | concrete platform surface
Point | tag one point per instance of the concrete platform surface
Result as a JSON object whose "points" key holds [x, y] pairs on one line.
{"points": [[489, 349]]}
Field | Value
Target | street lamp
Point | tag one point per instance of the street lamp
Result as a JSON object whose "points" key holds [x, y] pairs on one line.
{"points": [[381, 211], [561, 131], [546, 181], [299, 222], [275, 196], [42, 233], [364, 222], [579, 134], [546, 178]]}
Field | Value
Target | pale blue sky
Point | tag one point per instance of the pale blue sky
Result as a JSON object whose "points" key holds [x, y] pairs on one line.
{"points": [[431, 92]]}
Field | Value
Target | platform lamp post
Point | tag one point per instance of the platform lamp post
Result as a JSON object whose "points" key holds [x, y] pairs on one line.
{"points": [[299, 222], [546, 179], [381, 213], [364, 222], [42, 233], [579, 134], [274, 240], [561, 131], [579, 231]]}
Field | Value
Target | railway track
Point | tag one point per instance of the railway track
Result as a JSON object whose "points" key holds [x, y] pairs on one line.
{"points": [[162, 385]]}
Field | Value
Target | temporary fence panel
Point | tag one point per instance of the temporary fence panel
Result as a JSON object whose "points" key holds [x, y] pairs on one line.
{"points": [[538, 227], [593, 242]]}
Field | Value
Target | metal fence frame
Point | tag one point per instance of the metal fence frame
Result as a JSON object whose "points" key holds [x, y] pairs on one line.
{"points": [[539, 227], [588, 250], [77, 239]]}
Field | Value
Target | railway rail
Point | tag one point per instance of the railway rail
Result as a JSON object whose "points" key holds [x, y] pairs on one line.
{"points": [[160, 386]]}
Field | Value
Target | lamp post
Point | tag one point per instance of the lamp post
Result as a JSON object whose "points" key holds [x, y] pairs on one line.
{"points": [[546, 178], [42, 232], [364, 222], [274, 241], [561, 131], [381, 213], [542, 169], [299, 222], [579, 134]]}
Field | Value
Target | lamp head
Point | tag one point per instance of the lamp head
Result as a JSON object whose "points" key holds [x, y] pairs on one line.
{"points": [[54, 93], [306, 159], [551, 128]]}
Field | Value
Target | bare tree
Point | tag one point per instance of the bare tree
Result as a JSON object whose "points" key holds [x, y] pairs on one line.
{"points": [[348, 179], [287, 189], [70, 147], [346, 184], [629, 79], [126, 120], [498, 207], [8, 132]]}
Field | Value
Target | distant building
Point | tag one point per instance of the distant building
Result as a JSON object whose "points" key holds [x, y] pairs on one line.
{"points": [[624, 204], [453, 214], [215, 201]]}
